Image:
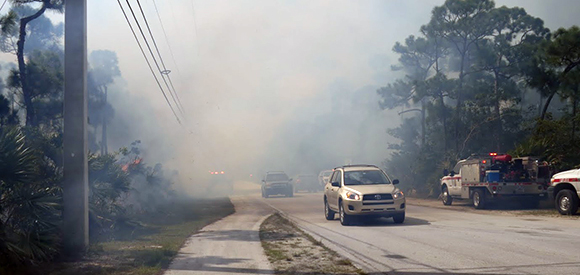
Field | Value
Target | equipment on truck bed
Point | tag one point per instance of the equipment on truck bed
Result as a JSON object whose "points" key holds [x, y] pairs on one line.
{"points": [[483, 178]]}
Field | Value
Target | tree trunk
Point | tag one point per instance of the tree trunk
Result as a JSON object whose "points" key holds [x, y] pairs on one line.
{"points": [[26, 91], [458, 106], [422, 124], [574, 111], [104, 146], [499, 131], [547, 104]]}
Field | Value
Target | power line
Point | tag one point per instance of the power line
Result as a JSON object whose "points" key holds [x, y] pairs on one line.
{"points": [[163, 72], [4, 3], [147, 60], [167, 39]]}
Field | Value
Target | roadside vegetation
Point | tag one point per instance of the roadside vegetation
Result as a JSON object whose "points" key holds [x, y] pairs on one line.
{"points": [[481, 78], [292, 251], [134, 210]]}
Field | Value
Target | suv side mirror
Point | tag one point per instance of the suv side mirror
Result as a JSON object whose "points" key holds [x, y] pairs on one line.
{"points": [[290, 179], [452, 173], [395, 182], [335, 184]]}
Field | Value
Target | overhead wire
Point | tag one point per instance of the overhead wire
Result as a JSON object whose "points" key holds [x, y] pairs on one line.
{"points": [[147, 60], [163, 72], [4, 3], [166, 38]]}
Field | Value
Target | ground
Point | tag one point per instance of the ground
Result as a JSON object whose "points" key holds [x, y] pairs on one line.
{"points": [[292, 251]]}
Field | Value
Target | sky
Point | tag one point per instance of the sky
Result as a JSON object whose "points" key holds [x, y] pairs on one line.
{"points": [[268, 85]]}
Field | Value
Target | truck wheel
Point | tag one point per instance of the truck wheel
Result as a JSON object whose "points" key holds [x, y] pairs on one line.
{"points": [[478, 198], [344, 218], [399, 218], [567, 202], [328, 213], [447, 199]]}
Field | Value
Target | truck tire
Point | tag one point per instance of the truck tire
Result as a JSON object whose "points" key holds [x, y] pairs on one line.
{"points": [[567, 202], [445, 197], [399, 218], [328, 213], [345, 219], [478, 199]]}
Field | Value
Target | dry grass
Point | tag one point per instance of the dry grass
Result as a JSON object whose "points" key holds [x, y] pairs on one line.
{"points": [[292, 251], [152, 248]]}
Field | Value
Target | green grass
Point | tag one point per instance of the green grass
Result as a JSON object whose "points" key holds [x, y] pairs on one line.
{"points": [[152, 248]]}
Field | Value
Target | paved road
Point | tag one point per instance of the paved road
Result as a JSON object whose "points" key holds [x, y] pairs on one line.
{"points": [[444, 241], [229, 246]]}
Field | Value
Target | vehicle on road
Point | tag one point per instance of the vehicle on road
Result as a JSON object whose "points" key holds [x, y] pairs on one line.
{"points": [[277, 183], [565, 190], [485, 178], [220, 184], [362, 191], [323, 177], [306, 182]]}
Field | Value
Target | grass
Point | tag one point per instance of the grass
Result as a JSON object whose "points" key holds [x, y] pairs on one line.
{"points": [[152, 247], [292, 251]]}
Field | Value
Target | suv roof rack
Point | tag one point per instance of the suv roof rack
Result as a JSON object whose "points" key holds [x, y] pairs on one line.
{"points": [[355, 165]]}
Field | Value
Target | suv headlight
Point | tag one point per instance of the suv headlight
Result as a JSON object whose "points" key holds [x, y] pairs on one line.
{"points": [[398, 195], [352, 196]]}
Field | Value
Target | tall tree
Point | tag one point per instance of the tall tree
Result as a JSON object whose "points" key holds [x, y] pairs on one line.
{"points": [[462, 23], [23, 22]]}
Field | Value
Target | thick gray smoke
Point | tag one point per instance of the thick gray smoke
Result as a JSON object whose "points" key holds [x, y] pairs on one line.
{"points": [[266, 85]]}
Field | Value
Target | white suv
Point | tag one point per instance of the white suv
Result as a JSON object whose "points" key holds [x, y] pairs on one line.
{"points": [[362, 190]]}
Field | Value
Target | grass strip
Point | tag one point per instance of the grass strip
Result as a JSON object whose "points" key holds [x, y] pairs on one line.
{"points": [[150, 249], [290, 250]]}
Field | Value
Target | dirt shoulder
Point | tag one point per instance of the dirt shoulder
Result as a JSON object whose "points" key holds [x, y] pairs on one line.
{"points": [[546, 208], [291, 251]]}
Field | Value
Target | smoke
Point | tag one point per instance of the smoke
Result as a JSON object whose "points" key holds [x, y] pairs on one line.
{"points": [[266, 85]]}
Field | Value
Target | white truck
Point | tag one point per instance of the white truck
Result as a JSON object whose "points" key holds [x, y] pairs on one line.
{"points": [[565, 189], [485, 178]]}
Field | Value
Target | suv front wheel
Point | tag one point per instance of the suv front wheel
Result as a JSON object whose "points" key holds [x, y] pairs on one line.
{"points": [[345, 219]]}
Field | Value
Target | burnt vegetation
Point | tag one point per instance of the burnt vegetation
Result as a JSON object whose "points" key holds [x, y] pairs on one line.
{"points": [[123, 187]]}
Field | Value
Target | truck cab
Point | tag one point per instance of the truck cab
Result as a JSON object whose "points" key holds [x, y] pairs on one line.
{"points": [[565, 190], [485, 178]]}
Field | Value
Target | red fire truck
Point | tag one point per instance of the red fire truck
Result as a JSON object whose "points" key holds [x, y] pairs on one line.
{"points": [[490, 177]]}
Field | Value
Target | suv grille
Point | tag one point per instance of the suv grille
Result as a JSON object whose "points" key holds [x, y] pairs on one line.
{"points": [[377, 197]]}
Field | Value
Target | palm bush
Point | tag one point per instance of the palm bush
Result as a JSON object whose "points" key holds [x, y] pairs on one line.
{"points": [[29, 207]]}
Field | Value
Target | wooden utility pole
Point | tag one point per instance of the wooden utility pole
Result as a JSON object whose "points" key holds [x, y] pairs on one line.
{"points": [[75, 187]]}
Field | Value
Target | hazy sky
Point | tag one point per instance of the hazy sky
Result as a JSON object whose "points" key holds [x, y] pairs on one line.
{"points": [[250, 73]]}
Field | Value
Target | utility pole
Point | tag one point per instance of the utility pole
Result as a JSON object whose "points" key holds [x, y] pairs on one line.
{"points": [[75, 189]]}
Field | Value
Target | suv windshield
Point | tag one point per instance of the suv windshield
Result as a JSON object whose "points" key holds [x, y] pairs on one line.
{"points": [[276, 177], [365, 177]]}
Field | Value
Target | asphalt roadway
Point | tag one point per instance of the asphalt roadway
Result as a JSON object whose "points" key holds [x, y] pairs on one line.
{"points": [[431, 241]]}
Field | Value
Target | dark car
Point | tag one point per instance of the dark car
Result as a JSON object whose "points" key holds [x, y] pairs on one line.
{"points": [[277, 183]]}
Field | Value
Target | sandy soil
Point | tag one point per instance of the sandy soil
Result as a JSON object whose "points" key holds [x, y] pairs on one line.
{"points": [[292, 251]]}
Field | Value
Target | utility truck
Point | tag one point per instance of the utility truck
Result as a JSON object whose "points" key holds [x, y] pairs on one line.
{"points": [[490, 177]]}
